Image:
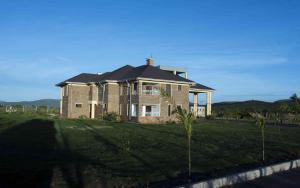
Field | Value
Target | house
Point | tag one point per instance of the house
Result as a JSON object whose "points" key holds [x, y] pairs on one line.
{"points": [[132, 92]]}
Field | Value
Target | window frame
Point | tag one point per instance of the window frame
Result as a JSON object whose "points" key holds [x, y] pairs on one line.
{"points": [[152, 113]]}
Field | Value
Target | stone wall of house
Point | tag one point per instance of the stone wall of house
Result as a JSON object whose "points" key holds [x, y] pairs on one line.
{"points": [[93, 93], [78, 94], [113, 98], [65, 103]]}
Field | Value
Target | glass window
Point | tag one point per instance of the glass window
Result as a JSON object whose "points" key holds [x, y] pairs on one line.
{"points": [[179, 87], [151, 110], [135, 88], [78, 105]]}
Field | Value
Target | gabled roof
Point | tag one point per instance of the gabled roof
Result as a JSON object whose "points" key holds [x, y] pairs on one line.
{"points": [[151, 72], [118, 74], [84, 78], [128, 73]]}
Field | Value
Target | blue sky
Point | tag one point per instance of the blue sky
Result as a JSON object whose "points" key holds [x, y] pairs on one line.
{"points": [[243, 49]]}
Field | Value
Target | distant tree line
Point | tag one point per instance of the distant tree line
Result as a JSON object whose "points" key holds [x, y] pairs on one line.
{"points": [[282, 111], [28, 109]]}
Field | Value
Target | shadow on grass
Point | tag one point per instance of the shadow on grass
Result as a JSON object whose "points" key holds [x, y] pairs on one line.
{"points": [[147, 165], [30, 154]]}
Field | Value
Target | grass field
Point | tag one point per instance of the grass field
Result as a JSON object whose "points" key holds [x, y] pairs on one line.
{"points": [[37, 151]]}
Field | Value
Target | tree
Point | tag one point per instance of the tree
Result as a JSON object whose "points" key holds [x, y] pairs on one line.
{"points": [[260, 121], [294, 98], [296, 106], [186, 118]]}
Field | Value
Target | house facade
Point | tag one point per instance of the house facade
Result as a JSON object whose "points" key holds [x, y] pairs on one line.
{"points": [[144, 94]]}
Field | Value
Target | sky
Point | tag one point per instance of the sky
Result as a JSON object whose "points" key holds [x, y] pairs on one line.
{"points": [[245, 50]]}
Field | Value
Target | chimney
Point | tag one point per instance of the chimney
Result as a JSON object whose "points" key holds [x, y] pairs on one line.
{"points": [[150, 61]]}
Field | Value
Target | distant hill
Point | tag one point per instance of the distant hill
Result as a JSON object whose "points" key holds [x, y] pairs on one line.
{"points": [[251, 105], [54, 103]]}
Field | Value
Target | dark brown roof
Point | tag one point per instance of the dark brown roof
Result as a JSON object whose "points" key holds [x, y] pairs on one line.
{"points": [[200, 86], [119, 74], [127, 73], [151, 72], [85, 78]]}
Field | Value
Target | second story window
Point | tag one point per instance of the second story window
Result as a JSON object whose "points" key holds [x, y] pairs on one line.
{"points": [[124, 90], [168, 89], [135, 89], [179, 88]]}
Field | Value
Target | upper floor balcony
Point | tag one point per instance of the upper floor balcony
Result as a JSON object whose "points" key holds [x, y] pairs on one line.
{"points": [[150, 89]]}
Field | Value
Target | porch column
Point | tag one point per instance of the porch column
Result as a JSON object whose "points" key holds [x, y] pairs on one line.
{"points": [[93, 110], [208, 103], [195, 104], [61, 101]]}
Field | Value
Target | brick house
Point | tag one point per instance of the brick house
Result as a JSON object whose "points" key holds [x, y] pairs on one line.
{"points": [[132, 92]]}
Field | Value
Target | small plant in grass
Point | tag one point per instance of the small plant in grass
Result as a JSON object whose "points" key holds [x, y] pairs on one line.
{"points": [[261, 122], [125, 144], [83, 117], [186, 118]]}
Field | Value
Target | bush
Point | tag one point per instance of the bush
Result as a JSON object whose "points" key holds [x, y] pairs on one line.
{"points": [[83, 117], [112, 116], [209, 117]]}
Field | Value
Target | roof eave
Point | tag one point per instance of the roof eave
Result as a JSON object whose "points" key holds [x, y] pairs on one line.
{"points": [[162, 80]]}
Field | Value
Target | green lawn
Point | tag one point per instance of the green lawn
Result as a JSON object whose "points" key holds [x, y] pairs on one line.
{"points": [[42, 152]]}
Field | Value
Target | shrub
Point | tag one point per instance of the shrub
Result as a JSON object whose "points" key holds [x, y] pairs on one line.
{"points": [[209, 117], [83, 117], [112, 116]]}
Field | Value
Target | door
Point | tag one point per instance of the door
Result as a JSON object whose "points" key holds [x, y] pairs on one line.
{"points": [[90, 110]]}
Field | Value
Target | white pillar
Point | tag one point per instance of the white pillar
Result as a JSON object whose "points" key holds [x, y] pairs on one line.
{"points": [[93, 111], [195, 104], [208, 103], [186, 75], [61, 101]]}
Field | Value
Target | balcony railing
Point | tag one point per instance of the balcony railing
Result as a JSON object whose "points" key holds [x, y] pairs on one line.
{"points": [[151, 92]]}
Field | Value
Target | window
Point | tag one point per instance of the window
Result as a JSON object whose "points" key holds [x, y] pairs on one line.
{"points": [[168, 89], [135, 88], [134, 110], [169, 110], [78, 105], [124, 90], [179, 106], [151, 110], [179, 88]]}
